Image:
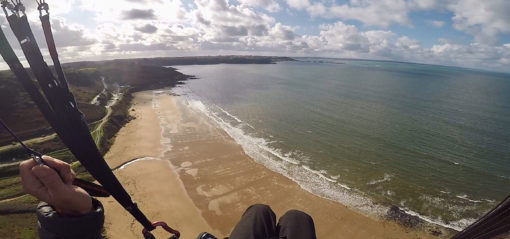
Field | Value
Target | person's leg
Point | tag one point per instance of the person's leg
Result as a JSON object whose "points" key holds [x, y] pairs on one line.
{"points": [[296, 224], [257, 222]]}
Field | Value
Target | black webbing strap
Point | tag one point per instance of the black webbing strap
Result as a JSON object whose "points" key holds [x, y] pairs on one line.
{"points": [[40, 69], [126, 202], [19, 71], [50, 42], [67, 120]]}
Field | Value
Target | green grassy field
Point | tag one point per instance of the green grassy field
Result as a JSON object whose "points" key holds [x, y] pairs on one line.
{"points": [[17, 217], [19, 226]]}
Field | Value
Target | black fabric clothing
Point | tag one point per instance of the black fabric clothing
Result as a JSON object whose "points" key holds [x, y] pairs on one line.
{"points": [[296, 224], [54, 226], [259, 222]]}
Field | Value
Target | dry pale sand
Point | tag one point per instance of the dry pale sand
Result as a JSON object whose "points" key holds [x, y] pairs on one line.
{"points": [[152, 183], [203, 181]]}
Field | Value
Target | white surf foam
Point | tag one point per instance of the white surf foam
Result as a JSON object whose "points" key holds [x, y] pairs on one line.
{"points": [[232, 116], [465, 197], [313, 181], [455, 225], [387, 177], [318, 173]]}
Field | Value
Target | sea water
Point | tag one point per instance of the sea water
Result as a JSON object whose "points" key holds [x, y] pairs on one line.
{"points": [[432, 140]]}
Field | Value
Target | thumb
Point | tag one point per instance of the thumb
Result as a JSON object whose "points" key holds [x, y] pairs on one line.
{"points": [[49, 177]]}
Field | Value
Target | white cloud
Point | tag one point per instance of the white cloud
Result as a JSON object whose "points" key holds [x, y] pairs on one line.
{"points": [[472, 55], [147, 28], [341, 40], [374, 12], [282, 32], [269, 5], [68, 35], [382, 13], [222, 22], [482, 19], [425, 4], [436, 23], [241, 27], [56, 7], [298, 4], [341, 37], [347, 41]]}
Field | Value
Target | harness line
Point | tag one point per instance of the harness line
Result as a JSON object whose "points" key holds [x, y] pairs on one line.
{"points": [[60, 108], [91, 188]]}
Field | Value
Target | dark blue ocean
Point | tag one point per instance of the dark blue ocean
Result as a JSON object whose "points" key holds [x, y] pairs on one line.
{"points": [[433, 140]]}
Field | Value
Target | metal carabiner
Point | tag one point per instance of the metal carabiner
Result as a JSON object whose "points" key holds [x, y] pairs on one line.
{"points": [[15, 6], [148, 235], [38, 159], [20, 7], [42, 6], [7, 5]]}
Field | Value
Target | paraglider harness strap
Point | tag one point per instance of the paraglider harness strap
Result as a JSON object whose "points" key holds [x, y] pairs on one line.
{"points": [[148, 235], [67, 122], [25, 147], [15, 6], [42, 6]]}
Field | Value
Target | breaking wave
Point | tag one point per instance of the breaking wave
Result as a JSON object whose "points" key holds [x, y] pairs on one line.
{"points": [[289, 165], [387, 177], [294, 166]]}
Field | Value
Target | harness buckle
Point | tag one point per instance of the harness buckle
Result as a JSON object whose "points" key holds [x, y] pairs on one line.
{"points": [[7, 5], [148, 235], [43, 6]]}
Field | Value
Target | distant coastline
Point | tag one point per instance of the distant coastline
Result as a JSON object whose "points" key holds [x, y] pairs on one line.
{"points": [[134, 75]]}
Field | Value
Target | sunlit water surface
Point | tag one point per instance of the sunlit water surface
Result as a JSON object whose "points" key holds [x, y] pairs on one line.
{"points": [[430, 139]]}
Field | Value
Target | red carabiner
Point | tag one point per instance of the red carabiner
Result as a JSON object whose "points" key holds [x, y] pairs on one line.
{"points": [[148, 235]]}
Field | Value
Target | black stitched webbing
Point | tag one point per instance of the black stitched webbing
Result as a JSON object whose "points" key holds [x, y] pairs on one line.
{"points": [[62, 113]]}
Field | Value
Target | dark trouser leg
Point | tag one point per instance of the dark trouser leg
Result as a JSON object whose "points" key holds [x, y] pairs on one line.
{"points": [[296, 224], [257, 222]]}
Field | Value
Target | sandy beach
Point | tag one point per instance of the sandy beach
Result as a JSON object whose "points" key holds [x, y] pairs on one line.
{"points": [[195, 177]]}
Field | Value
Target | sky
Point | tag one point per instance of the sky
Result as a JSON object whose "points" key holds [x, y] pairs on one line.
{"points": [[466, 33]]}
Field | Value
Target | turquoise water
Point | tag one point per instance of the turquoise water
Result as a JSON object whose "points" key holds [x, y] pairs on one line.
{"points": [[430, 139]]}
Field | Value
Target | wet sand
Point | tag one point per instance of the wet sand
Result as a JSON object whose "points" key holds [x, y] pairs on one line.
{"points": [[151, 182], [197, 178]]}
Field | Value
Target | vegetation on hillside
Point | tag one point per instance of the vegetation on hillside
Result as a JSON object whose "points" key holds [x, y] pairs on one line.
{"points": [[17, 218]]}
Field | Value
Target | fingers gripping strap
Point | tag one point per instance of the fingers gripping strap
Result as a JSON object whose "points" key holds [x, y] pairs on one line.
{"points": [[60, 109]]}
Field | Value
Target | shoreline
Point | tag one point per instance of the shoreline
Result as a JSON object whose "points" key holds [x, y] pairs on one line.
{"points": [[215, 178], [314, 181]]}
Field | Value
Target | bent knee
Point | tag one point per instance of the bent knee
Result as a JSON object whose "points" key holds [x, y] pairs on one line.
{"points": [[297, 215], [259, 208]]}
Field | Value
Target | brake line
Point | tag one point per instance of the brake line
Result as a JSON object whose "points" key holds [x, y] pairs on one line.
{"points": [[91, 188]]}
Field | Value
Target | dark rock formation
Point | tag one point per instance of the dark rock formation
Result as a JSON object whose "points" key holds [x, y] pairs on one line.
{"points": [[400, 216]]}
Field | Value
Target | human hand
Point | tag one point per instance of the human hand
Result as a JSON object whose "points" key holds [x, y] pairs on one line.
{"points": [[47, 185]]}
